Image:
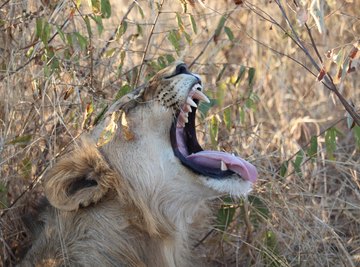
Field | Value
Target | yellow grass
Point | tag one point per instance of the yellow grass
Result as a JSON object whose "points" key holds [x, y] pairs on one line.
{"points": [[307, 218]]}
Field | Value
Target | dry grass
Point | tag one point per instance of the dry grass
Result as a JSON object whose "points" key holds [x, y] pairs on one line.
{"points": [[307, 218]]}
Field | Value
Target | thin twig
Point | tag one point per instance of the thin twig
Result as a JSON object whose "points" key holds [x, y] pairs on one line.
{"points": [[4, 4], [112, 37], [327, 80], [148, 43], [281, 53], [308, 143], [313, 43], [209, 41], [37, 179], [34, 55]]}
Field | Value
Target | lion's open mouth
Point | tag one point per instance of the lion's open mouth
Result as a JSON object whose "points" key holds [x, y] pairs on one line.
{"points": [[186, 147]]}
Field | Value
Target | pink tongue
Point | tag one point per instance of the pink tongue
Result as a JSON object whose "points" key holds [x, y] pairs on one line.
{"points": [[212, 159]]}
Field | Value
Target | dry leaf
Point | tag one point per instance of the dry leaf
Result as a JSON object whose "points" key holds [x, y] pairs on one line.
{"points": [[317, 12], [321, 74], [110, 129]]}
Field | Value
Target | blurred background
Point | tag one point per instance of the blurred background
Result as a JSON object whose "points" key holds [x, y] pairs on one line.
{"points": [[263, 65]]}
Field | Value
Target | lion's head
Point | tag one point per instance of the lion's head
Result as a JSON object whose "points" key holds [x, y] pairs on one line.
{"points": [[159, 120]]}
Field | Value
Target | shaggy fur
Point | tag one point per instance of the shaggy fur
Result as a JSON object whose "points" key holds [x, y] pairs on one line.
{"points": [[129, 202]]}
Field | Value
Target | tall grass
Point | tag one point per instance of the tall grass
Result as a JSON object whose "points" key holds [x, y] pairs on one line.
{"points": [[63, 62]]}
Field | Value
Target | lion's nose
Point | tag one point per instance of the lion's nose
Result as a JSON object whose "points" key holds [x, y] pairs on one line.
{"points": [[182, 69]]}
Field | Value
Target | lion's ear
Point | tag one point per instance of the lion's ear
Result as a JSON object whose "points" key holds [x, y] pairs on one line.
{"points": [[78, 180]]}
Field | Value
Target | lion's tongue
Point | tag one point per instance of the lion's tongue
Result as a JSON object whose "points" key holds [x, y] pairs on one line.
{"points": [[212, 159]]}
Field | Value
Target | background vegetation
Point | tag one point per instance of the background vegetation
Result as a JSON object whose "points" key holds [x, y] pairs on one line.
{"points": [[281, 75]]}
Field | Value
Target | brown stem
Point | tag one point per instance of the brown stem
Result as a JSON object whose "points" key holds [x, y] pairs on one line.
{"points": [[148, 43], [327, 81], [112, 37]]}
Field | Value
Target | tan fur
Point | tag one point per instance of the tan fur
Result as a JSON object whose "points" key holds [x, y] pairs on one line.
{"points": [[129, 202]]}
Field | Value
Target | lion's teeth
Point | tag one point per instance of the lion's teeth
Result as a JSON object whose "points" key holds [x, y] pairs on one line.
{"points": [[201, 96], [191, 102], [184, 117], [223, 166], [180, 124], [187, 108]]}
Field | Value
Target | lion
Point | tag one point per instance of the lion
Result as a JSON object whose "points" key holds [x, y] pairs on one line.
{"points": [[136, 191]]}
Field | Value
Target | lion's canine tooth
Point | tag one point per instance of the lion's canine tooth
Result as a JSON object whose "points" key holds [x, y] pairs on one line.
{"points": [[223, 166], [191, 102], [201, 96]]}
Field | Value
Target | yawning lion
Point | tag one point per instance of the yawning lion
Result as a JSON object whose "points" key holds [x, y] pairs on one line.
{"points": [[135, 191]]}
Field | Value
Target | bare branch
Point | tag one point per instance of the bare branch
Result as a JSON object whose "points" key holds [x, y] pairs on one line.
{"points": [[148, 43]]}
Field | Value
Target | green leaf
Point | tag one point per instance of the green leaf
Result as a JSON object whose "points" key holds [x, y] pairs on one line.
{"points": [[221, 92], [61, 34], [140, 11], [249, 103], [139, 30], [241, 74], [193, 24], [259, 207], [330, 142], [123, 91], [98, 22], [214, 130], [312, 150], [271, 240], [221, 73], [122, 58], [26, 168], [4, 201], [188, 38], [105, 9], [229, 33], [242, 115], [227, 118], [169, 58], [38, 27], [162, 62], [121, 30], [298, 161], [82, 41], [88, 26], [30, 52], [204, 107], [225, 216], [42, 30], [69, 39], [356, 131], [96, 6], [251, 73], [180, 22], [173, 37], [100, 115], [219, 27], [284, 168], [78, 3], [109, 53], [22, 140]]}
